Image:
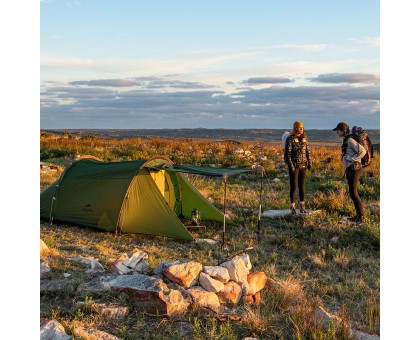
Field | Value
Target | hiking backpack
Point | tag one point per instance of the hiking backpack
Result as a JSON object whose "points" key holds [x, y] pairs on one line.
{"points": [[363, 139], [283, 139]]}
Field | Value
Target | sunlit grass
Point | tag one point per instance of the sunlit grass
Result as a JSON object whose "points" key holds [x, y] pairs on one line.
{"points": [[343, 276]]}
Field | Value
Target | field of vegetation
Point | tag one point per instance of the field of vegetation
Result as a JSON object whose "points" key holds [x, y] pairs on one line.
{"points": [[320, 260]]}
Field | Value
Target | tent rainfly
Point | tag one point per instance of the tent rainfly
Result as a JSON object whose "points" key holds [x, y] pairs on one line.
{"points": [[142, 196]]}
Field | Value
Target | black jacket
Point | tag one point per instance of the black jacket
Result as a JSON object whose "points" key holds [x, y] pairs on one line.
{"points": [[297, 153]]}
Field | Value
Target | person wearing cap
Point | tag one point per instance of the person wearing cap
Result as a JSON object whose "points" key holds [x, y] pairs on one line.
{"points": [[351, 155], [297, 156]]}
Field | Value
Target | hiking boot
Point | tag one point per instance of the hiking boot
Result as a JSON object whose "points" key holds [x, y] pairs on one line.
{"points": [[302, 207], [293, 209]]}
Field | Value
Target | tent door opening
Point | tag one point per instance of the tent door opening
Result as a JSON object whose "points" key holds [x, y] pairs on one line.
{"points": [[164, 183]]}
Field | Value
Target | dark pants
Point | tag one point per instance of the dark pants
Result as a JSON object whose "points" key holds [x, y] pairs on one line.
{"points": [[353, 177], [297, 179]]}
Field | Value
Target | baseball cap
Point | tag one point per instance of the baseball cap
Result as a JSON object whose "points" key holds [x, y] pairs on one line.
{"points": [[342, 127]]}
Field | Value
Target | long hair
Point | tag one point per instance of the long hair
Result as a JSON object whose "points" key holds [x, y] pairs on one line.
{"points": [[302, 136]]}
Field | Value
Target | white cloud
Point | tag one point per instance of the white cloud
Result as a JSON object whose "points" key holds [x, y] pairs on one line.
{"points": [[368, 41], [302, 47]]}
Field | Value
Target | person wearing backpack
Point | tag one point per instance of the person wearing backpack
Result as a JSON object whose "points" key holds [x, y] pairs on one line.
{"points": [[351, 155], [297, 156]]}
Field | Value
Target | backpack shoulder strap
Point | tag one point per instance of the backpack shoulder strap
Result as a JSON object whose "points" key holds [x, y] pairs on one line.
{"points": [[344, 145]]}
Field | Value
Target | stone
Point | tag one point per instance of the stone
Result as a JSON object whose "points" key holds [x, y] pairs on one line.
{"points": [[248, 299], [53, 330], [45, 268], [238, 272], [161, 265], [207, 241], [116, 266], [94, 265], [257, 298], [247, 261], [55, 286], [112, 311], [87, 333], [203, 298], [256, 282], [231, 293], [209, 284], [97, 285], [219, 273], [185, 274], [150, 294], [137, 260], [322, 318], [252, 299], [358, 335]]}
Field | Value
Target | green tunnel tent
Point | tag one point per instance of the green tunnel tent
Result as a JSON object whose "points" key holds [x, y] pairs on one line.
{"points": [[141, 196]]}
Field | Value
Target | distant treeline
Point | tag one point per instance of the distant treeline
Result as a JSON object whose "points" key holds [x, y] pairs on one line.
{"points": [[271, 135]]}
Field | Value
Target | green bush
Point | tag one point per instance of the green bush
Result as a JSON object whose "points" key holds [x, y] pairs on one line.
{"points": [[55, 153]]}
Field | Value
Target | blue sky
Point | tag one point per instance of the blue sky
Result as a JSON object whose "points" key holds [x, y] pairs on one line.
{"points": [[210, 64]]}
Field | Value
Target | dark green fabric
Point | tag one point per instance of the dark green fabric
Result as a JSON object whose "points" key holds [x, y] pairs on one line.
{"points": [[205, 171], [146, 211], [91, 192], [46, 200]]}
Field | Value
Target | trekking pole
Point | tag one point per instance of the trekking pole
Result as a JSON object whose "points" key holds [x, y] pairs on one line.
{"points": [[224, 212], [259, 211]]}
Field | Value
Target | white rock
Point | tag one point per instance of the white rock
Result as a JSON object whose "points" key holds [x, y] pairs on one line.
{"points": [[53, 330], [219, 273], [207, 240], [203, 298], [238, 272], [87, 333], [247, 261], [163, 264], [209, 284]]}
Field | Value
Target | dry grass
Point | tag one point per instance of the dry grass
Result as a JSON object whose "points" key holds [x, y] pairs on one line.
{"points": [[343, 277]]}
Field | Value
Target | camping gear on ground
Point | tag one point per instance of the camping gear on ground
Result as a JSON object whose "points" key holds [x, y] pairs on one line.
{"points": [[195, 217], [141, 196]]}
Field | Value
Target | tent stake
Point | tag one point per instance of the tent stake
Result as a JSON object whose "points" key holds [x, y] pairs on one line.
{"points": [[224, 212]]}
